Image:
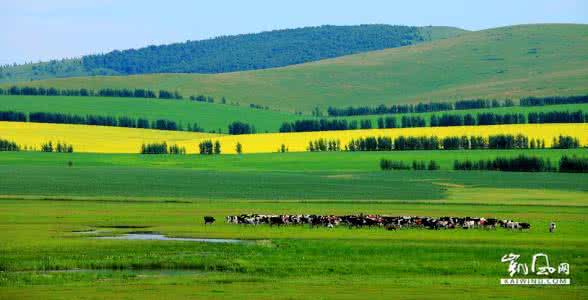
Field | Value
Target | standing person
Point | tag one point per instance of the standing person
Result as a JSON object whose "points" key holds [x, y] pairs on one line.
{"points": [[552, 227]]}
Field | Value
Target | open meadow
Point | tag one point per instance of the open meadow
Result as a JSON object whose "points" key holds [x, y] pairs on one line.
{"points": [[46, 206]]}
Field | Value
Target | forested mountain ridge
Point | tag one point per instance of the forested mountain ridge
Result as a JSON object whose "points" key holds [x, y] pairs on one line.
{"points": [[243, 52]]}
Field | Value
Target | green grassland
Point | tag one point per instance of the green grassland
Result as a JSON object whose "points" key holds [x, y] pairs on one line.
{"points": [[291, 176], [43, 201], [508, 62], [208, 116], [44, 259], [267, 162]]}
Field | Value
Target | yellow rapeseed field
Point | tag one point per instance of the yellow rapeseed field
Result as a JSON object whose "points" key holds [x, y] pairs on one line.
{"points": [[128, 140], [295, 142], [100, 139]]}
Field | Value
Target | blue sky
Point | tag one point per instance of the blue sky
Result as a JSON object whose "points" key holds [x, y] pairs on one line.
{"points": [[44, 29]]}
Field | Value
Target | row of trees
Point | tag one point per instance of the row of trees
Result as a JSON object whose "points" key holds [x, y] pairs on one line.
{"points": [[565, 142], [523, 163], [423, 107], [420, 107], [13, 116], [238, 127], [387, 122], [60, 147], [444, 120], [342, 124], [106, 92], [203, 98], [323, 125], [500, 141], [386, 164], [109, 92], [558, 117], [321, 145], [205, 147], [161, 124], [556, 100], [61, 118], [403, 143], [83, 92], [258, 106], [6, 145], [371, 144], [209, 148], [573, 164], [412, 121], [162, 148], [480, 119], [508, 118]]}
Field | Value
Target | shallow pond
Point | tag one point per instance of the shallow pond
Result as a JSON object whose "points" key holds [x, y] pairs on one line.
{"points": [[161, 237]]}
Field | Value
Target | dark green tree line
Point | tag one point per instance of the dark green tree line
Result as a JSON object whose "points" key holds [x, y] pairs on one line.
{"points": [[6, 145]]}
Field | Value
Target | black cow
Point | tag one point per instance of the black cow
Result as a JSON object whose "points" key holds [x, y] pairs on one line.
{"points": [[208, 220], [390, 226], [276, 220], [370, 222], [354, 221]]}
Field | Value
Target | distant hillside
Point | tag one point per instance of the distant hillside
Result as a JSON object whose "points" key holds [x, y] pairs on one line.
{"points": [[235, 53], [509, 62]]}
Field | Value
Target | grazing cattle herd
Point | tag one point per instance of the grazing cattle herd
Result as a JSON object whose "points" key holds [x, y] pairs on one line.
{"points": [[387, 222]]}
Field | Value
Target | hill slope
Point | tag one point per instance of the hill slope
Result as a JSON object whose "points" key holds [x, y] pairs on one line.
{"points": [[235, 53], [513, 61]]}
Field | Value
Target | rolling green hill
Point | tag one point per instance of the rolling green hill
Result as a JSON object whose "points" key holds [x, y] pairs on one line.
{"points": [[235, 53], [509, 62]]}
